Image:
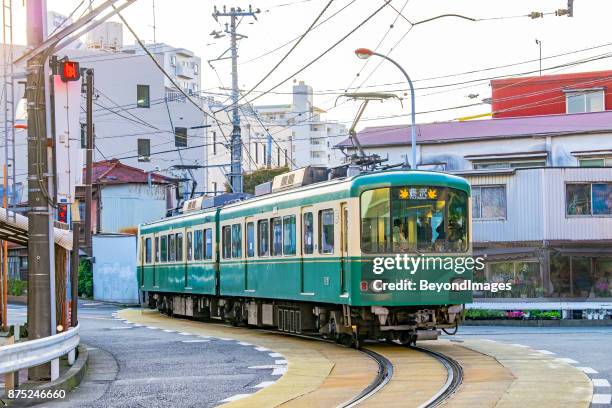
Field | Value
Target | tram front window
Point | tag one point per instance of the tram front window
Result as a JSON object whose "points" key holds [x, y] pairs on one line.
{"points": [[413, 219]]}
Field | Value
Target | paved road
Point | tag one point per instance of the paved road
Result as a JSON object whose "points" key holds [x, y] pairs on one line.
{"points": [[588, 347], [142, 367]]}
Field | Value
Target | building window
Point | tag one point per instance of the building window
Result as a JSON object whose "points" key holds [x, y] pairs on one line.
{"points": [[278, 154], [214, 185], [596, 162], [173, 60], [277, 236], [195, 68], [214, 142], [285, 157], [256, 154], [144, 150], [142, 96], [584, 101], [509, 165], [289, 235], [308, 233], [587, 199], [489, 202], [180, 137], [262, 237]]}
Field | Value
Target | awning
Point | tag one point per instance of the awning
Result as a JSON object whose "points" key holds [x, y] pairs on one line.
{"points": [[492, 254], [14, 228], [585, 251]]}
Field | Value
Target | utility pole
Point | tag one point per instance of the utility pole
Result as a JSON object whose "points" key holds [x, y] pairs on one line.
{"points": [[89, 83], [41, 279], [236, 140]]}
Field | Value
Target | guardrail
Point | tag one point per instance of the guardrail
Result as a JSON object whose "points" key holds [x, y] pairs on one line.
{"points": [[32, 353]]}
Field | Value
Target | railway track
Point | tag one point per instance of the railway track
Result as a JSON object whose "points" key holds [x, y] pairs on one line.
{"points": [[454, 377], [385, 372]]}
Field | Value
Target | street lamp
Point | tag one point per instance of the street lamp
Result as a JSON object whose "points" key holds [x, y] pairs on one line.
{"points": [[365, 53]]}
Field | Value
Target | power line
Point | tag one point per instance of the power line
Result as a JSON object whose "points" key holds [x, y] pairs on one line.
{"points": [[284, 58]]}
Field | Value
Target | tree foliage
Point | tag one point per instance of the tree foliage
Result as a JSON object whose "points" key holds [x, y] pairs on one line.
{"points": [[85, 278], [249, 181]]}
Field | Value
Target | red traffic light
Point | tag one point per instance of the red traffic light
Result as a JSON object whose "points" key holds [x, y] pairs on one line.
{"points": [[70, 71]]}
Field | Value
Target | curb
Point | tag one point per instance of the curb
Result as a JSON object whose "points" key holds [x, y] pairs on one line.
{"points": [[67, 381], [540, 323]]}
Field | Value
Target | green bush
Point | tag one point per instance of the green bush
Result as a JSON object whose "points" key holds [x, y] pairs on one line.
{"points": [[544, 314], [85, 279], [482, 314], [17, 287]]}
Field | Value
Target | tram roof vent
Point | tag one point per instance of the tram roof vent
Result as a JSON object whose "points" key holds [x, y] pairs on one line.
{"points": [[300, 177], [194, 204]]}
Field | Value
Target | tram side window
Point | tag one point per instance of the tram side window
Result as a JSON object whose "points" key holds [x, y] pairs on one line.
{"points": [[171, 248], [250, 236], [208, 251], [289, 235], [227, 241], [262, 237], [197, 245], [236, 241], [156, 249], [190, 246], [308, 226], [326, 231], [147, 250], [179, 246], [276, 237], [164, 248]]}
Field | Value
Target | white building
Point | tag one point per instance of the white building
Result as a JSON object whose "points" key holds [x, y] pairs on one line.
{"points": [[140, 117], [293, 135]]}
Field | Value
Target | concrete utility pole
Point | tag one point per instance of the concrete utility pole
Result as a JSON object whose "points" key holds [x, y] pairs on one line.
{"points": [[89, 82], [41, 280], [236, 140]]}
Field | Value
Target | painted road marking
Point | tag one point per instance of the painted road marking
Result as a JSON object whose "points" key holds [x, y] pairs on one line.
{"points": [[492, 341], [601, 398], [280, 361], [519, 345], [279, 370], [152, 328], [261, 349], [194, 341], [169, 331], [600, 382], [546, 352], [119, 328], [275, 354], [567, 360], [587, 370], [244, 343], [225, 339], [264, 384], [185, 334], [235, 397], [263, 367]]}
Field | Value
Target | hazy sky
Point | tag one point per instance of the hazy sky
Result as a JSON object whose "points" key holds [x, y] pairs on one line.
{"points": [[441, 47]]}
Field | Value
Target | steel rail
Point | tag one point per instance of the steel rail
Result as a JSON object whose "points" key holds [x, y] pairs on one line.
{"points": [[454, 377], [385, 372]]}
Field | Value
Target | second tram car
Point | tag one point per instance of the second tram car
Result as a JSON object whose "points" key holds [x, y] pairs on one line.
{"points": [[308, 259]]}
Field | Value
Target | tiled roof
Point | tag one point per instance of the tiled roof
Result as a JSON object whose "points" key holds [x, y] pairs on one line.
{"points": [[446, 132], [115, 172]]}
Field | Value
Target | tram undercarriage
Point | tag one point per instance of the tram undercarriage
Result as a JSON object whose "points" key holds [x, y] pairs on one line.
{"points": [[349, 325]]}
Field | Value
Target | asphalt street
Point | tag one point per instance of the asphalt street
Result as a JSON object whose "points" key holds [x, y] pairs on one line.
{"points": [[146, 367], [589, 348]]}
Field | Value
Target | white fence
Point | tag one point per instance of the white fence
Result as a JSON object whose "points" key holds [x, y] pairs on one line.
{"points": [[14, 357]]}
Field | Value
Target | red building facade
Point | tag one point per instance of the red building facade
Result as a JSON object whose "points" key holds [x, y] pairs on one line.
{"points": [[552, 94]]}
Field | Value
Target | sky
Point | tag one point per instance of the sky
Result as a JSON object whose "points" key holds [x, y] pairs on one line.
{"points": [[446, 46]]}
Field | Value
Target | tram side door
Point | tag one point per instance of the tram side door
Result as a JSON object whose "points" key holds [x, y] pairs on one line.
{"points": [[249, 252], [307, 247], [343, 246]]}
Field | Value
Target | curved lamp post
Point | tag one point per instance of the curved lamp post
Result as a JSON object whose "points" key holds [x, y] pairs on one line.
{"points": [[365, 53]]}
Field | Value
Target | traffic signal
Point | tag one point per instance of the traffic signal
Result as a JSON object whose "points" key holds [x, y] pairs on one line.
{"points": [[62, 213], [69, 71]]}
